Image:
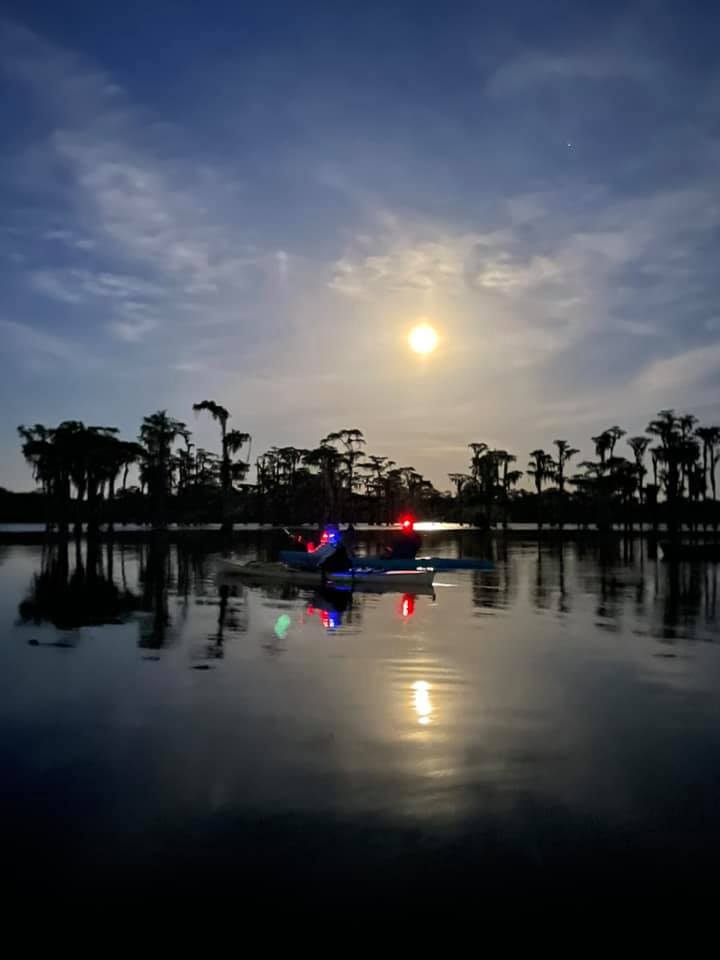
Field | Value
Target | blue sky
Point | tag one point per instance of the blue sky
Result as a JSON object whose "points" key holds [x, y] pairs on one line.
{"points": [[253, 203]]}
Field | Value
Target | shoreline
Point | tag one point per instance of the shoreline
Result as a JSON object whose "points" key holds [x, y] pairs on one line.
{"points": [[239, 534]]}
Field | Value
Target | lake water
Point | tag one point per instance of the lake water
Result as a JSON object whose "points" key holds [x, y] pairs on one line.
{"points": [[549, 727]]}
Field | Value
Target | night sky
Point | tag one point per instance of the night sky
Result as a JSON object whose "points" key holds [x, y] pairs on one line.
{"points": [[254, 203]]}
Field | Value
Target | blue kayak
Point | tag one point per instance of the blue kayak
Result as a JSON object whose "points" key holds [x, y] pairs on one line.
{"points": [[304, 561], [357, 578]]}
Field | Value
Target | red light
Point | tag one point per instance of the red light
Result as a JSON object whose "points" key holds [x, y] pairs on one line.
{"points": [[310, 547], [324, 537], [407, 605], [407, 523]]}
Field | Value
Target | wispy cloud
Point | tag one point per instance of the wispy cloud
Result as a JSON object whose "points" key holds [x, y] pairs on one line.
{"points": [[530, 70], [131, 200], [40, 345], [677, 373], [137, 322], [685, 380], [77, 286], [69, 238]]}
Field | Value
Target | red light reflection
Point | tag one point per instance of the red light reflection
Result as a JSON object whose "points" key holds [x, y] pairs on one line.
{"points": [[407, 605]]}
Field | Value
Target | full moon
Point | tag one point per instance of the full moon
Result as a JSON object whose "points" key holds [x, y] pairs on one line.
{"points": [[423, 339]]}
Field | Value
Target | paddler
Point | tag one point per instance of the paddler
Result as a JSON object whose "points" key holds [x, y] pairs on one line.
{"points": [[406, 543], [349, 538], [332, 555]]}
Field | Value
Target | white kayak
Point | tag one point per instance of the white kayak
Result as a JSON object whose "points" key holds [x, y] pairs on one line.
{"points": [[420, 578]]}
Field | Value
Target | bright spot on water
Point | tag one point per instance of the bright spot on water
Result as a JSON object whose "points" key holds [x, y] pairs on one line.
{"points": [[421, 701]]}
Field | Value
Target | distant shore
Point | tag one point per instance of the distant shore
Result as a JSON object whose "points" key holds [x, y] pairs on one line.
{"points": [[36, 534]]}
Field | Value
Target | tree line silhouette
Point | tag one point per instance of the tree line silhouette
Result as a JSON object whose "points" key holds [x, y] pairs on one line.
{"points": [[82, 472], [609, 490]]}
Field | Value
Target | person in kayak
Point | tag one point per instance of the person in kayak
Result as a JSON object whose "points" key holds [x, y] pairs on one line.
{"points": [[332, 555], [349, 538], [406, 543], [336, 562]]}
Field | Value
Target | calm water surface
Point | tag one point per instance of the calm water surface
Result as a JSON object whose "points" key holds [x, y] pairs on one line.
{"points": [[549, 727]]}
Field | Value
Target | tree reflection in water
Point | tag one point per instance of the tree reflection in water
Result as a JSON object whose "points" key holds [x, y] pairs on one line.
{"points": [[232, 618], [157, 584], [156, 575], [78, 594], [623, 579]]}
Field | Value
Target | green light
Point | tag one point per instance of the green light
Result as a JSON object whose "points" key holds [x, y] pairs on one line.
{"points": [[282, 625]]}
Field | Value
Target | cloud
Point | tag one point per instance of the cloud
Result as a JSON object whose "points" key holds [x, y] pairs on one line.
{"points": [[672, 374], [132, 197], [554, 282], [415, 256], [426, 265], [137, 324], [54, 285], [507, 274], [69, 238], [529, 70], [33, 344], [133, 303], [684, 380], [190, 366], [78, 286]]}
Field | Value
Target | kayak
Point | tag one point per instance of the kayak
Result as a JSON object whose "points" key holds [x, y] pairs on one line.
{"points": [[421, 578], [304, 561]]}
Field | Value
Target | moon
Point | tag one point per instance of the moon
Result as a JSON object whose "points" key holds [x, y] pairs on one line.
{"points": [[423, 339]]}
